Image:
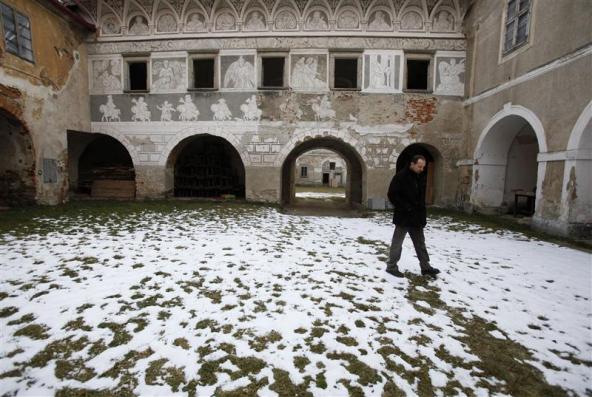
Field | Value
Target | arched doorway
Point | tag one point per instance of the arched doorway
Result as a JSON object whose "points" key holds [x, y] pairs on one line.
{"points": [[506, 170], [104, 167], [431, 173], [17, 162], [206, 166], [354, 174], [577, 183]]}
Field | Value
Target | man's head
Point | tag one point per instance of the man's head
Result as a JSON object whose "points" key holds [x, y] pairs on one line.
{"points": [[417, 164]]}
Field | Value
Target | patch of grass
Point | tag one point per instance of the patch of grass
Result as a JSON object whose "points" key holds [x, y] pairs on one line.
{"points": [[73, 369], [8, 311], [27, 318], [347, 340], [158, 374], [301, 362], [120, 334], [260, 343], [121, 369], [284, 387], [182, 343], [77, 324], [33, 331], [366, 374], [59, 349]]}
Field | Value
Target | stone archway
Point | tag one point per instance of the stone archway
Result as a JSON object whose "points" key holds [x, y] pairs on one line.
{"points": [[17, 162], [100, 166], [577, 184], [203, 166], [355, 168], [433, 171], [505, 161]]}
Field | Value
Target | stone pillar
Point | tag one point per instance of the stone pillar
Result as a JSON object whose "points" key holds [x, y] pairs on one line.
{"points": [[263, 184]]}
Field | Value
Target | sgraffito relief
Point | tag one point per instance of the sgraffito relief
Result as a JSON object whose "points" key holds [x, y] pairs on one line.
{"points": [[110, 25], [250, 109], [221, 111], [166, 24], [255, 21], [196, 22], [168, 75], [166, 111], [286, 20], [140, 110], [187, 109], [382, 71], [225, 22], [317, 21], [322, 108], [109, 111], [443, 22], [348, 20], [106, 76], [309, 72], [290, 109], [412, 21], [380, 21], [238, 72], [138, 26], [450, 74]]}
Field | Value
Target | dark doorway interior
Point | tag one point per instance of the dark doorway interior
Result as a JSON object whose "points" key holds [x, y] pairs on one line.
{"points": [[106, 170], [428, 174], [209, 166]]}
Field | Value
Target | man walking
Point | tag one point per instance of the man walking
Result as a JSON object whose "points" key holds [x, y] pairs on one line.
{"points": [[407, 193]]}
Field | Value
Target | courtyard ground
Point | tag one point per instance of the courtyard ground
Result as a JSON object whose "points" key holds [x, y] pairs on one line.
{"points": [[230, 299]]}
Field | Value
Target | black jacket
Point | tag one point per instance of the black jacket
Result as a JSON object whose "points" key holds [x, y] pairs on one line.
{"points": [[407, 193]]}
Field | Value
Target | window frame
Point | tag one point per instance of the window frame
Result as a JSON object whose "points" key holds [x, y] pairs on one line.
{"points": [[136, 58], [419, 57], [303, 171], [261, 54], [505, 22], [191, 75], [350, 54], [19, 39]]}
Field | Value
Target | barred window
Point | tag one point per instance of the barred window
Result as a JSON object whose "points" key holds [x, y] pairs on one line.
{"points": [[303, 172], [17, 33], [517, 24]]}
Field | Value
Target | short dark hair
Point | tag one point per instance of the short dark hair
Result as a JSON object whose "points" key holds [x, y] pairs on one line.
{"points": [[418, 157]]}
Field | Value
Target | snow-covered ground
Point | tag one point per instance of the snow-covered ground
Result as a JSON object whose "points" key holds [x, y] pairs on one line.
{"points": [[320, 195], [210, 300]]}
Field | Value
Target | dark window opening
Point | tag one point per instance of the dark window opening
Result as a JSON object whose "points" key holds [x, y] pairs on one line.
{"points": [[17, 33], [346, 73], [516, 24], [325, 178], [273, 72], [331, 165], [417, 74], [303, 172], [203, 73], [138, 76]]}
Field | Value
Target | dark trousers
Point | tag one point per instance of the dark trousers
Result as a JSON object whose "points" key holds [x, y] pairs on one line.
{"points": [[418, 239]]}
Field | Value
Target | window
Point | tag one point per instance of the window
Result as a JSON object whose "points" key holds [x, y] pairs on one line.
{"points": [[137, 71], [346, 73], [203, 72], [417, 72], [331, 165], [303, 172], [272, 69], [272, 66], [17, 33], [516, 25]]}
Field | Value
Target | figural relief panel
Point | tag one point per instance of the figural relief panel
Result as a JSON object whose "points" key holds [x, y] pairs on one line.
{"points": [[166, 24], [106, 75], [309, 72], [196, 22], [286, 20], [255, 21], [138, 26], [382, 71], [449, 74], [168, 75], [443, 22], [238, 72], [317, 20], [348, 20], [380, 21]]}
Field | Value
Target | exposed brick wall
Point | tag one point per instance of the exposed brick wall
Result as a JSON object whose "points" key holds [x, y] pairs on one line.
{"points": [[421, 110]]}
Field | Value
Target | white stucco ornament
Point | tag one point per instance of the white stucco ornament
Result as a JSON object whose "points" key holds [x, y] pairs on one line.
{"points": [[250, 109], [187, 109], [221, 111]]}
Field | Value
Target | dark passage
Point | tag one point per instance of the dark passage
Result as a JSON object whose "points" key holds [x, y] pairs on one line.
{"points": [[209, 166]]}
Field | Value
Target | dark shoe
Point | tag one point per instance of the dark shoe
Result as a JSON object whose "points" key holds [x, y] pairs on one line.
{"points": [[395, 272], [430, 271]]}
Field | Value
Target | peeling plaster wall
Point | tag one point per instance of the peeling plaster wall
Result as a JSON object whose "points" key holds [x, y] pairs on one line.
{"points": [[50, 95]]}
